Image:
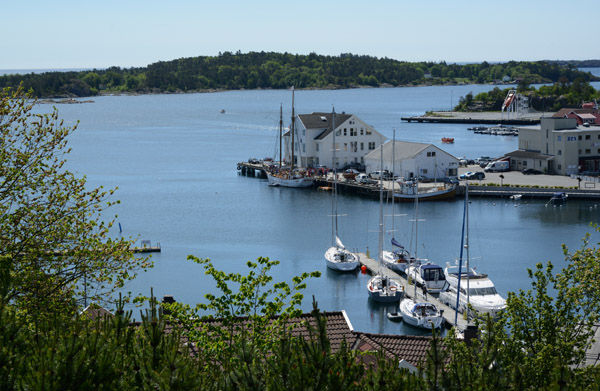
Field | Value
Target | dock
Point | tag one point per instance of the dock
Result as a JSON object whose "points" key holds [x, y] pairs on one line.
{"points": [[409, 291], [484, 117]]}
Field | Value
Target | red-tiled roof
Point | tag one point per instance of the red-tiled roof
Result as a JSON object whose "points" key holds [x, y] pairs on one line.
{"points": [[410, 348]]}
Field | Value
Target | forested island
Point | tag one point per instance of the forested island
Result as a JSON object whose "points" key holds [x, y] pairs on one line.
{"points": [[269, 70]]}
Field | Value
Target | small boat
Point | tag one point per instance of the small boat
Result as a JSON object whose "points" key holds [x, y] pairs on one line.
{"points": [[559, 198], [222, 111], [397, 260], [516, 197], [421, 314], [429, 275], [394, 316], [409, 190], [380, 287], [448, 140], [350, 174]]}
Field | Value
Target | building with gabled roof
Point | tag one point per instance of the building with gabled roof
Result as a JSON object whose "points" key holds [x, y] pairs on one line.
{"points": [[314, 143], [408, 160]]}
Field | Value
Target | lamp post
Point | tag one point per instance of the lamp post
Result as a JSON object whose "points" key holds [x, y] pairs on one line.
{"points": [[501, 180]]}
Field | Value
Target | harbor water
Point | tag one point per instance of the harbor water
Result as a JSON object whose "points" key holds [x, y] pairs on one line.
{"points": [[173, 159]]}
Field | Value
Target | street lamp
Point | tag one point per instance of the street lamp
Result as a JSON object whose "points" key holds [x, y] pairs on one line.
{"points": [[501, 180]]}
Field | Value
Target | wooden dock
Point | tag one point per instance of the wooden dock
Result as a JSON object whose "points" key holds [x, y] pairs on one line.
{"points": [[409, 291]]}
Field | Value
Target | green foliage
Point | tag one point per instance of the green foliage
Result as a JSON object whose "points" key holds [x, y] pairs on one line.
{"points": [[50, 222], [282, 70]]}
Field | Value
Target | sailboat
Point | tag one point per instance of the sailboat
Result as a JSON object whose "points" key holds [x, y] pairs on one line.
{"points": [[288, 177], [421, 314], [337, 256], [480, 292], [381, 288], [399, 258]]}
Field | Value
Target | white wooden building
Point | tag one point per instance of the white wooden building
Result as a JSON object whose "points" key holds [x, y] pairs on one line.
{"points": [[314, 141], [413, 159]]}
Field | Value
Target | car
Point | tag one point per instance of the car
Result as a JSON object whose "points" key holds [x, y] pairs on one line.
{"points": [[531, 171], [476, 176], [465, 175], [451, 180], [385, 174], [364, 179]]}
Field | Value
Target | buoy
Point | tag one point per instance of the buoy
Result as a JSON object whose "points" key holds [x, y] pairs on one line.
{"points": [[363, 269]]}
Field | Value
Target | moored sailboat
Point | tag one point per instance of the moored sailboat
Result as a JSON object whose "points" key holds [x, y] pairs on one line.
{"points": [[337, 256], [288, 176]]}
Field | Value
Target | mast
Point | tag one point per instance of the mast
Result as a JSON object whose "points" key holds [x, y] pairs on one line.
{"points": [[293, 131], [393, 181], [381, 209], [465, 215], [280, 134], [334, 222]]}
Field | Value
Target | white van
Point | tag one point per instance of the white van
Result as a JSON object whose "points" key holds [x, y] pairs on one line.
{"points": [[497, 166]]}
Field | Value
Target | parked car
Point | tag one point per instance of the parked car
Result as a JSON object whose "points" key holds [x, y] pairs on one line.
{"points": [[385, 174], [452, 180], [531, 171], [497, 166], [364, 179], [465, 175], [476, 176]]}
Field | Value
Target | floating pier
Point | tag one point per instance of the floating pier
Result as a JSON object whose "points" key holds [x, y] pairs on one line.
{"points": [[409, 291]]}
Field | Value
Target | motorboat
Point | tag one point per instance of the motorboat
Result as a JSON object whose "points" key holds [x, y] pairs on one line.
{"points": [[448, 140], [337, 256], [429, 275], [476, 289], [559, 198], [421, 314], [466, 287]]}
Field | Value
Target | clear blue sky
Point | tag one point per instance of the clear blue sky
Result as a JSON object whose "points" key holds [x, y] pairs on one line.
{"points": [[46, 34]]}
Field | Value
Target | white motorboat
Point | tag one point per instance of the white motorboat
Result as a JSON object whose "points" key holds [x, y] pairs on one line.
{"points": [[421, 314], [468, 287], [476, 289], [337, 256], [380, 287], [429, 275]]}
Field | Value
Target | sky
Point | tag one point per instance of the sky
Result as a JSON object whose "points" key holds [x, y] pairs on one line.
{"points": [[68, 34]]}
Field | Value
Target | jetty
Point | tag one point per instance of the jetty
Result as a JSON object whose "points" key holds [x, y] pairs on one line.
{"points": [[409, 291], [484, 117]]}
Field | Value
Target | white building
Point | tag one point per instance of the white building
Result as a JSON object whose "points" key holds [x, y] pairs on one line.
{"points": [[313, 145], [413, 159]]}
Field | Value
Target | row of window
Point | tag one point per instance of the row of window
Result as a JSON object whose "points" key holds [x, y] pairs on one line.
{"points": [[580, 137], [353, 146], [353, 132], [587, 151]]}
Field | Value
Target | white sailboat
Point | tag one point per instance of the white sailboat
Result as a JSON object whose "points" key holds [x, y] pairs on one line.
{"points": [[380, 287], [468, 287], [399, 258], [288, 177], [337, 256]]}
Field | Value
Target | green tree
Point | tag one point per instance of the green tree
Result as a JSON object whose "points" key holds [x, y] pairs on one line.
{"points": [[50, 222]]}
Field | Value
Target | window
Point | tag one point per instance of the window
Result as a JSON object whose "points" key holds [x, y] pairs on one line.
{"points": [[588, 137], [345, 147], [362, 132], [431, 154], [303, 147], [353, 132], [559, 152], [559, 166], [303, 132], [424, 171], [524, 163], [362, 146], [353, 146], [559, 138], [371, 145], [317, 147], [338, 132], [345, 132], [587, 151], [579, 137], [368, 132]]}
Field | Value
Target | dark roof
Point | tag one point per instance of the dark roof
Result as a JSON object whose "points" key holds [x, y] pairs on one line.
{"points": [[94, 311], [323, 121], [410, 348], [519, 153], [562, 113]]}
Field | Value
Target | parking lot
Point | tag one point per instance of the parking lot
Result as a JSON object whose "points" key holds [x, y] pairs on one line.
{"points": [[517, 178]]}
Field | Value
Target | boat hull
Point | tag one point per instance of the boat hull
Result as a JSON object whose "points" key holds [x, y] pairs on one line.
{"points": [[388, 292], [289, 182], [427, 320], [341, 259], [441, 193]]}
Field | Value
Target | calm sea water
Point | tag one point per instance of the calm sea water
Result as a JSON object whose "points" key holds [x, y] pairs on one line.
{"points": [[173, 158]]}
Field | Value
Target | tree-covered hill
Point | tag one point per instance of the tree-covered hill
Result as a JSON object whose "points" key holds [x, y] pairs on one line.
{"points": [[282, 70]]}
